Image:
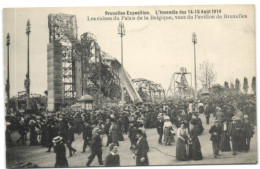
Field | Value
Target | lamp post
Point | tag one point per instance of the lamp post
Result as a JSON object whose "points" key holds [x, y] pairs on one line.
{"points": [[194, 40], [121, 32], [7, 87], [27, 80]]}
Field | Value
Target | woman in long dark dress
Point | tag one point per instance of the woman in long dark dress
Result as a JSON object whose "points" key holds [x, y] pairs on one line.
{"points": [[181, 145], [194, 148], [225, 144], [60, 150]]}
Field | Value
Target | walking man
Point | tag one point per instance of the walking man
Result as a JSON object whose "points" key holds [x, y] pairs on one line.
{"points": [[215, 132], [159, 126], [96, 147], [70, 139], [87, 134]]}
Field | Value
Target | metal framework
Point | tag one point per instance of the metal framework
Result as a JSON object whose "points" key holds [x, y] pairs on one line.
{"points": [[63, 28], [179, 86], [149, 90]]}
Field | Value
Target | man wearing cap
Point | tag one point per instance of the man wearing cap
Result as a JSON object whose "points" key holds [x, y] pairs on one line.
{"points": [[215, 132], [159, 126], [96, 147], [141, 150]]}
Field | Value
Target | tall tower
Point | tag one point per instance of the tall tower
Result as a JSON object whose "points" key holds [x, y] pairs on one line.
{"points": [[179, 86]]}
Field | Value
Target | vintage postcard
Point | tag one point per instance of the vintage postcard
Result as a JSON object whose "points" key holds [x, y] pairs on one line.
{"points": [[130, 86]]}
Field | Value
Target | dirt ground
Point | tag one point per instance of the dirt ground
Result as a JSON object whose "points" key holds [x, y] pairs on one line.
{"points": [[158, 154]]}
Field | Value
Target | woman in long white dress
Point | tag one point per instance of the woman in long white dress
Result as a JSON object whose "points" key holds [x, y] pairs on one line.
{"points": [[168, 131]]}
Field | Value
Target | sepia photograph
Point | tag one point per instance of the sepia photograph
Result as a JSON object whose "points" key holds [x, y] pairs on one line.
{"points": [[129, 86]]}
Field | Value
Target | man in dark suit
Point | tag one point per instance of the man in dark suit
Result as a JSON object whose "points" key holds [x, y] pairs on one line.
{"points": [[96, 147], [87, 134], [159, 126], [215, 137], [106, 131], [141, 150], [113, 159], [234, 133], [70, 139]]}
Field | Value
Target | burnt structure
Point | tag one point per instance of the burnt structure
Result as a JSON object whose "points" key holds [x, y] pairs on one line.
{"points": [[78, 66]]}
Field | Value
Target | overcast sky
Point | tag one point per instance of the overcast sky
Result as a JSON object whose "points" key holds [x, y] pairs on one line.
{"points": [[153, 50]]}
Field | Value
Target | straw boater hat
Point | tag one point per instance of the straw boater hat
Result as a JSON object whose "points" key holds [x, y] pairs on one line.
{"points": [[140, 121], [7, 123], [216, 121], [57, 139], [245, 116]]}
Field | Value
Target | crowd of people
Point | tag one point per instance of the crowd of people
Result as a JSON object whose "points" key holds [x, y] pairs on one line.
{"points": [[234, 123]]}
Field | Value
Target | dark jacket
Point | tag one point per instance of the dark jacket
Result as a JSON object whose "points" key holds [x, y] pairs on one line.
{"points": [[107, 127], [70, 134], [141, 151], [112, 160], [87, 132], [213, 137], [96, 143], [159, 126]]}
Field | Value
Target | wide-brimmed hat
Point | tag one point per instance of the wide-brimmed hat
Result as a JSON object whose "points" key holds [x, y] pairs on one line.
{"points": [[96, 130], [160, 115], [166, 118], [235, 118], [57, 139]]}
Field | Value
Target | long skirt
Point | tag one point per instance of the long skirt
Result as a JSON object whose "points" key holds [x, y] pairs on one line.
{"points": [[181, 150], [120, 134], [225, 144], [195, 150], [61, 163]]}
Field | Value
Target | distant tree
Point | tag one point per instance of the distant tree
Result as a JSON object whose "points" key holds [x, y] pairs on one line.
{"points": [[253, 85], [245, 85], [226, 85], [232, 87], [207, 74], [217, 90], [237, 86]]}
